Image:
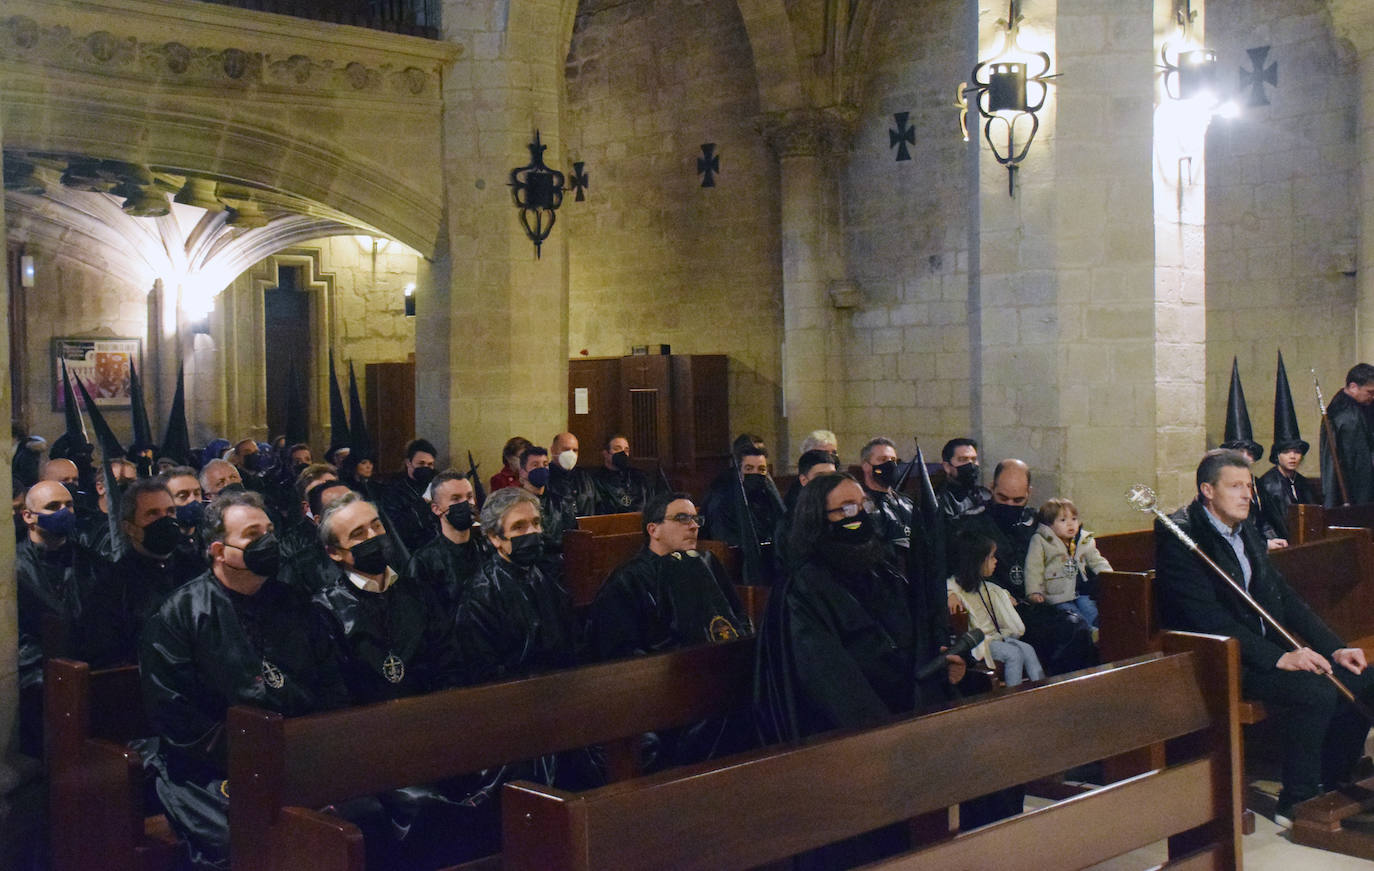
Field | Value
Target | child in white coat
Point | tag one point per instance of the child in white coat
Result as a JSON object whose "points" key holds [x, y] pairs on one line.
{"points": [[991, 609], [1060, 555]]}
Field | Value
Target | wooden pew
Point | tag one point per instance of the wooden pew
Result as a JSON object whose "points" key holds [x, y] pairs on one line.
{"points": [[95, 799], [281, 768], [1311, 522], [764, 806], [1128, 551], [588, 559], [612, 524]]}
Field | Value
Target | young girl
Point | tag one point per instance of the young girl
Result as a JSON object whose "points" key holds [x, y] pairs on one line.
{"points": [[990, 608], [1060, 554]]}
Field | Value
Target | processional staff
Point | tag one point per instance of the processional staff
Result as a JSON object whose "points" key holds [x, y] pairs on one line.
{"points": [[1330, 439]]}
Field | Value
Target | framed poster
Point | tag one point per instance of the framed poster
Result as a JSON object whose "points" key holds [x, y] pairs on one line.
{"points": [[101, 364]]}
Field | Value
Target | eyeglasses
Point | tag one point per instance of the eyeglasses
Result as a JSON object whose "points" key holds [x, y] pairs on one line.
{"points": [[852, 508], [694, 519]]}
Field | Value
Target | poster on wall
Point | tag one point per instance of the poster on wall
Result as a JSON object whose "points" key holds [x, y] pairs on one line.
{"points": [[101, 364]]}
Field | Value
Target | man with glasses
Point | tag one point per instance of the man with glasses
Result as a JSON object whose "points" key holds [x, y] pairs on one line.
{"points": [[668, 595]]}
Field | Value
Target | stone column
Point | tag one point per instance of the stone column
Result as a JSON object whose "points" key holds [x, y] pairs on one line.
{"points": [[1354, 20], [1065, 324], [9, 624], [491, 341], [809, 145]]}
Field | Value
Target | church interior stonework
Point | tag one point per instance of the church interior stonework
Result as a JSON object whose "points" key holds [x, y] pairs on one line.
{"points": [[810, 189]]}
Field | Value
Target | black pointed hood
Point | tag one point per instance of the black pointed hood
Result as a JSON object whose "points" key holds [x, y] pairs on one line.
{"points": [[338, 419], [110, 447], [73, 441], [1286, 433], [1238, 433], [143, 430], [176, 441]]}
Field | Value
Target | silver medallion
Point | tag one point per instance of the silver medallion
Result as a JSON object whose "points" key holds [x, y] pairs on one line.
{"points": [[393, 668], [272, 676]]}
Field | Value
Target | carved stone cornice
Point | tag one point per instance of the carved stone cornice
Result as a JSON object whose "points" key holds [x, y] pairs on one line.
{"points": [[809, 132], [205, 53]]}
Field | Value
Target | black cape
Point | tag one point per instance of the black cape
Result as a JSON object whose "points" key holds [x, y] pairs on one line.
{"points": [[1279, 492], [620, 492], [409, 513], [1355, 447], [448, 568], [391, 644], [575, 485], [516, 621], [655, 603]]}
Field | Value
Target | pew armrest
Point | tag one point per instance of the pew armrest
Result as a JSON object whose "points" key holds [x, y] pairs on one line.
{"points": [[304, 838]]}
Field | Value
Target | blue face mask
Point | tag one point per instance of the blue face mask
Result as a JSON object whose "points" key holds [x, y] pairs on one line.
{"points": [[60, 522], [538, 477], [191, 514]]}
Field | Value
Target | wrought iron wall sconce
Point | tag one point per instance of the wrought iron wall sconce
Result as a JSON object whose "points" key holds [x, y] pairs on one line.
{"points": [[1007, 89], [538, 192], [1190, 68]]}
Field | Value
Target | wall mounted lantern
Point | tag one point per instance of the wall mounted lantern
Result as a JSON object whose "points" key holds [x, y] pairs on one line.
{"points": [[538, 192], [1009, 88], [1190, 68]]}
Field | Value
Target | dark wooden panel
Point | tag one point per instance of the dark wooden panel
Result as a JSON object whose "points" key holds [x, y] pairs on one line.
{"points": [[1129, 551], [646, 403], [390, 413], [600, 377]]}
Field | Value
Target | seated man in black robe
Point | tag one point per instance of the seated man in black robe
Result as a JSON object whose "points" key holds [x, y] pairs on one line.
{"points": [[557, 512], [304, 532], [448, 564], [231, 636], [1321, 736], [184, 485], [620, 487], [55, 576], [566, 479], [307, 565], [962, 491], [516, 619], [394, 637], [669, 595], [893, 512], [404, 501], [1348, 413], [762, 509]]}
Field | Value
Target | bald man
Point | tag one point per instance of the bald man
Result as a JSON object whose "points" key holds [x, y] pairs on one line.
{"points": [[54, 575], [566, 480]]}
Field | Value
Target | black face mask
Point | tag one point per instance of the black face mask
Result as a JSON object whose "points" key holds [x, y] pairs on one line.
{"points": [[190, 515], [968, 474], [235, 487], [527, 549], [263, 556], [1005, 516], [422, 476], [161, 536], [852, 530], [621, 461], [370, 556], [885, 473], [755, 483], [298, 468], [459, 516]]}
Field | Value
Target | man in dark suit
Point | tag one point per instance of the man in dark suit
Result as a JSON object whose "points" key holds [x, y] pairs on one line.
{"points": [[1321, 736]]}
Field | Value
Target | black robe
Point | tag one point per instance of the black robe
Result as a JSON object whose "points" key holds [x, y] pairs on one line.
{"points": [[1278, 492], [575, 485], [1355, 447], [516, 621], [655, 603], [407, 511], [724, 522], [620, 492], [129, 593], [448, 569], [396, 643], [206, 649]]}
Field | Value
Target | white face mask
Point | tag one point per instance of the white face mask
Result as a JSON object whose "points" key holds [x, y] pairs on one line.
{"points": [[567, 460]]}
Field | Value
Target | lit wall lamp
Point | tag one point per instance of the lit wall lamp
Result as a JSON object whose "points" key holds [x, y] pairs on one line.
{"points": [[27, 275], [1190, 68], [410, 300], [538, 192], [1008, 88]]}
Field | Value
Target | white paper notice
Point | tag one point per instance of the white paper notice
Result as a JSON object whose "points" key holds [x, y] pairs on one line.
{"points": [[580, 400]]}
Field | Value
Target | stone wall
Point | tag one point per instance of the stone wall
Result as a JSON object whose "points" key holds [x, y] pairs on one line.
{"points": [[904, 363], [1282, 201], [653, 256], [73, 295]]}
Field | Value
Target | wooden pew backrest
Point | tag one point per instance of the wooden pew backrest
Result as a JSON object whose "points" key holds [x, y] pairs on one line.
{"points": [[588, 558], [1129, 551], [1128, 616], [612, 524], [278, 763], [1335, 576], [764, 806]]}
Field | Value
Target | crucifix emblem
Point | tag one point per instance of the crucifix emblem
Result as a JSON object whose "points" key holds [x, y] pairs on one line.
{"points": [[1071, 565], [903, 136], [1018, 576], [1259, 75], [393, 668], [580, 181], [272, 676], [708, 165]]}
